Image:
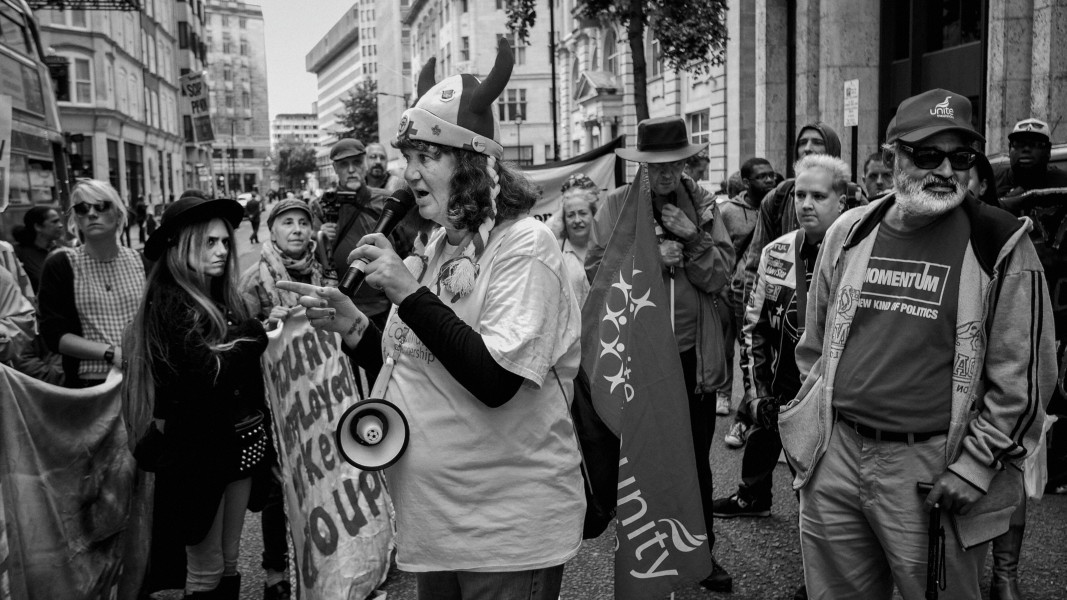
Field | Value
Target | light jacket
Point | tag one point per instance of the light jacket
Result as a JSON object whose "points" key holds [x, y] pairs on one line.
{"points": [[708, 260], [998, 397]]}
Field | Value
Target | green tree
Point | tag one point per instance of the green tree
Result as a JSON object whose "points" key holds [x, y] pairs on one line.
{"points": [[294, 161], [360, 117], [692, 33]]}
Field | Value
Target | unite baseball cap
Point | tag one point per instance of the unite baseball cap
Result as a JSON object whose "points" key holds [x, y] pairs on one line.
{"points": [[1030, 127], [346, 148], [930, 113]]}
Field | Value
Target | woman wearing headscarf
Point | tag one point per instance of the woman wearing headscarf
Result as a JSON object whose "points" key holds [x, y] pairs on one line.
{"points": [[481, 348], [89, 294]]}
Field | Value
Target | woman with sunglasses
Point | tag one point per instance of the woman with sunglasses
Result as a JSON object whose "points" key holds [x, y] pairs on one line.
{"points": [[88, 294]]}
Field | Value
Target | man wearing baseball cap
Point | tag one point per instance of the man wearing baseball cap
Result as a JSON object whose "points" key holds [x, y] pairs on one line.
{"points": [[357, 217], [1029, 150], [928, 358]]}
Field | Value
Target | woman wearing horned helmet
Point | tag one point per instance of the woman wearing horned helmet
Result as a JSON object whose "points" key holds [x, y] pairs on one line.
{"points": [[481, 347]]}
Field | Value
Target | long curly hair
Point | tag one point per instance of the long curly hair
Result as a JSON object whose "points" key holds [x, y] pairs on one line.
{"points": [[472, 186]]}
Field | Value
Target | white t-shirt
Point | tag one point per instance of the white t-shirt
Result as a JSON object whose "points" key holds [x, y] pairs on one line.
{"points": [[493, 489]]}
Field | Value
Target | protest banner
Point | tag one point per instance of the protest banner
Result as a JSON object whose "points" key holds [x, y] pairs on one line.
{"points": [[74, 503], [194, 88], [635, 376], [599, 164], [341, 518]]}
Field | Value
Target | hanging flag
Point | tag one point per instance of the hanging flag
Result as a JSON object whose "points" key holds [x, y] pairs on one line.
{"points": [[631, 356]]}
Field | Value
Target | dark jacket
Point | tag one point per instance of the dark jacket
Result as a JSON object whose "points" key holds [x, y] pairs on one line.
{"points": [[774, 322], [357, 219], [201, 395]]}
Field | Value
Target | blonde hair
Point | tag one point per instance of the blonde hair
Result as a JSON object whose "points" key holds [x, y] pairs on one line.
{"points": [[96, 191], [835, 167], [557, 222]]}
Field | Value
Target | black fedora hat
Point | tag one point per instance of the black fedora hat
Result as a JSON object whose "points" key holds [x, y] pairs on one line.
{"points": [[661, 140], [193, 207]]}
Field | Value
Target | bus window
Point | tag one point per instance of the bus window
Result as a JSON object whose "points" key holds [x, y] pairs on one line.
{"points": [[13, 30], [42, 182], [19, 190]]}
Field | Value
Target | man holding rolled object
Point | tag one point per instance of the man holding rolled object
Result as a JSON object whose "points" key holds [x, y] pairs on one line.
{"points": [[481, 349], [928, 356]]}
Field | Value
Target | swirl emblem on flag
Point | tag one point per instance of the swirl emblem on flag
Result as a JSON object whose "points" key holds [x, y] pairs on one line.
{"points": [[621, 294]]}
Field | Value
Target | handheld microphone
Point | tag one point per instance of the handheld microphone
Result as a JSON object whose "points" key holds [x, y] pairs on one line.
{"points": [[395, 208]]}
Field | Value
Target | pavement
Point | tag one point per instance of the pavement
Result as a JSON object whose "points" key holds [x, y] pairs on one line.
{"points": [[763, 555]]}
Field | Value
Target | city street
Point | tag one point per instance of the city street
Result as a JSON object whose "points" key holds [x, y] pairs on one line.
{"points": [[763, 555]]}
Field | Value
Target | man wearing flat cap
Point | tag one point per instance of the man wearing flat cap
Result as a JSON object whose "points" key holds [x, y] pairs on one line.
{"points": [[357, 217], [928, 358], [696, 255]]}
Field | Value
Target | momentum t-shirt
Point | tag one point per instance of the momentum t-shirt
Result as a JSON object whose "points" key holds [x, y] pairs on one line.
{"points": [[895, 372]]}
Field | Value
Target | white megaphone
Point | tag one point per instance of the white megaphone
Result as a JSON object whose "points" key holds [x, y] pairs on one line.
{"points": [[372, 434]]}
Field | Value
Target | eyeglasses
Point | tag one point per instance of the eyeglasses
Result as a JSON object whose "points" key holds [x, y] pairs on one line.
{"points": [[1019, 144], [929, 157], [82, 208]]}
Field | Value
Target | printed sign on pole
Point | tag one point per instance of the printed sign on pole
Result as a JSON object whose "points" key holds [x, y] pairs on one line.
{"points": [[195, 89], [852, 103]]}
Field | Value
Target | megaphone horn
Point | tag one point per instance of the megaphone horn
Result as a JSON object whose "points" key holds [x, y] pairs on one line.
{"points": [[372, 434]]}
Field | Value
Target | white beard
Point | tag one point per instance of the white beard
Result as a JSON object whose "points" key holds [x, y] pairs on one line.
{"points": [[914, 200]]}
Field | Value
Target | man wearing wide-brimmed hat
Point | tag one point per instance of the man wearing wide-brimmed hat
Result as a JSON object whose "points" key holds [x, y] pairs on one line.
{"points": [[696, 255]]}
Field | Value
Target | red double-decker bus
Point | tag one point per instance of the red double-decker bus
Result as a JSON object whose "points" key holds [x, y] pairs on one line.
{"points": [[37, 171]]}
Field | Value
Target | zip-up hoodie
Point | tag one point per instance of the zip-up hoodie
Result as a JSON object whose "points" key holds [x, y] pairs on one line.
{"points": [[1004, 365]]}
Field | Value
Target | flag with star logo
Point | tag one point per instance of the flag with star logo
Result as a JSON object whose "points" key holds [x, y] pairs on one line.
{"points": [[630, 354]]}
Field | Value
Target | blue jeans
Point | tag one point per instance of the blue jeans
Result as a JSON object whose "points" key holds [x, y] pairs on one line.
{"points": [[539, 584]]}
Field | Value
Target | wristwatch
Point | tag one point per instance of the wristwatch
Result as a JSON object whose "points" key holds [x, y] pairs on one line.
{"points": [[109, 354]]}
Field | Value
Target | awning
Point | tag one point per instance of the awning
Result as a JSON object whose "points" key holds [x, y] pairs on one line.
{"points": [[86, 4]]}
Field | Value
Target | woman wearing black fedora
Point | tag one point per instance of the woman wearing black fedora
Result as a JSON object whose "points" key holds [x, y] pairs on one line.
{"points": [[696, 255], [194, 347]]}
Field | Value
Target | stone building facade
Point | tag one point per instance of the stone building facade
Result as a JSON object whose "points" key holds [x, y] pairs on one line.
{"points": [[237, 81], [121, 105]]}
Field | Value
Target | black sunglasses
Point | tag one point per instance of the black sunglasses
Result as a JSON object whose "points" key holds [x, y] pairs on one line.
{"points": [[929, 157], [82, 208]]}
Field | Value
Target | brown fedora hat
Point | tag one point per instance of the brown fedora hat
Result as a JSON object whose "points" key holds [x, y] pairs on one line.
{"points": [[661, 140]]}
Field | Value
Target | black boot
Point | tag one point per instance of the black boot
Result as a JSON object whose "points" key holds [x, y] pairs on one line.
{"points": [[719, 580], [229, 587], [1004, 585]]}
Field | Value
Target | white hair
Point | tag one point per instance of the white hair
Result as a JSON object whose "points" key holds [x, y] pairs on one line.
{"points": [[839, 172]]}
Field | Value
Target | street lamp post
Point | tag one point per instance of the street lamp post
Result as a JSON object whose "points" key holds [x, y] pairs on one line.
{"points": [[233, 157], [518, 136]]}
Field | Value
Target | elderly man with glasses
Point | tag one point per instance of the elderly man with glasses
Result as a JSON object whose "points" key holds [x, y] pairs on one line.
{"points": [[928, 357]]}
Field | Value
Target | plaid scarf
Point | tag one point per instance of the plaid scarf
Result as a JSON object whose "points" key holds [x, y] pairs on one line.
{"points": [[275, 266]]}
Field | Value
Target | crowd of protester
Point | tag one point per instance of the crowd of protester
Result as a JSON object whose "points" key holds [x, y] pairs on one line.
{"points": [[792, 273]]}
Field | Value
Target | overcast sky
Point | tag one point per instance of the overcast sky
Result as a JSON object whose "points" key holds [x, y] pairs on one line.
{"points": [[291, 29]]}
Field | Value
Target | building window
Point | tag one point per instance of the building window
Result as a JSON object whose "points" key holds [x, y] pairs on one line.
{"points": [[611, 53], [225, 20], [656, 55], [134, 172], [242, 23], [517, 46], [72, 17], [246, 100], [113, 164], [699, 130], [227, 74], [81, 156], [500, 4], [227, 46], [513, 105], [229, 100], [248, 153], [80, 80], [464, 3], [244, 47], [465, 50], [520, 155]]}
